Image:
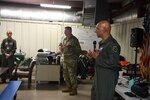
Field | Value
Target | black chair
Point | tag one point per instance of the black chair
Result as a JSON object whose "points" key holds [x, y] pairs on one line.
{"points": [[24, 72]]}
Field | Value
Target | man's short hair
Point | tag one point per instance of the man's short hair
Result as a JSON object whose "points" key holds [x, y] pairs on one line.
{"points": [[9, 32], [69, 28]]}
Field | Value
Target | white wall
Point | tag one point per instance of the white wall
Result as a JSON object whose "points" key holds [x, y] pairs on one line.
{"points": [[32, 36], [122, 32], [86, 36]]}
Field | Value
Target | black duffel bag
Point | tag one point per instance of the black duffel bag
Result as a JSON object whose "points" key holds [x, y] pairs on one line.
{"points": [[140, 90]]}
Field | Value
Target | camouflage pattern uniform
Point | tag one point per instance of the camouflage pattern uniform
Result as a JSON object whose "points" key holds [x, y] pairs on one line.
{"points": [[8, 46], [71, 53]]}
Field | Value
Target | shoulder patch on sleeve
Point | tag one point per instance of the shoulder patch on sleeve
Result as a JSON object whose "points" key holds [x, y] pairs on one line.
{"points": [[115, 49]]}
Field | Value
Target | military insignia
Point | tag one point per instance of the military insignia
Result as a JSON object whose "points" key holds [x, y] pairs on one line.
{"points": [[11, 43], [115, 49], [6, 43], [100, 49]]}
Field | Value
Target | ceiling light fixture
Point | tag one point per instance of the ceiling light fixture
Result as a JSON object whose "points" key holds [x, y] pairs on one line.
{"points": [[55, 6]]}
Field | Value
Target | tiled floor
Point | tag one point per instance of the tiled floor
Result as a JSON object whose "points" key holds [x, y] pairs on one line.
{"points": [[51, 91]]}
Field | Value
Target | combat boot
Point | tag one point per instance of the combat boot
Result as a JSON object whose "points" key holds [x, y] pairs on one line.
{"points": [[67, 90], [73, 92]]}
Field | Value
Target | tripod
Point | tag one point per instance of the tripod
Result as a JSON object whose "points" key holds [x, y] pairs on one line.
{"points": [[135, 65]]}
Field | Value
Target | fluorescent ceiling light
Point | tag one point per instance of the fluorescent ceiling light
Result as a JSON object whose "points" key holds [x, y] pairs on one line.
{"points": [[55, 6]]}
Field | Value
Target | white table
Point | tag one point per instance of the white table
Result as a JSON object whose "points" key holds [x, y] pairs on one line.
{"points": [[121, 89], [47, 73]]}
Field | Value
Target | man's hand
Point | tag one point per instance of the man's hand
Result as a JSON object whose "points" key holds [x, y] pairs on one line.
{"points": [[61, 47], [89, 54], [93, 54], [7, 55]]}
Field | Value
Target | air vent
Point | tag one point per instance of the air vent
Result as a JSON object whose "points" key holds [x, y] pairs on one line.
{"points": [[89, 16]]}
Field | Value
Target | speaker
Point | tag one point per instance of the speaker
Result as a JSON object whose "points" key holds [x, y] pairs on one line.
{"points": [[136, 37]]}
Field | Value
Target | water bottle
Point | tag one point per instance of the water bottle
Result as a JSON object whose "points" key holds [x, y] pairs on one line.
{"points": [[131, 83]]}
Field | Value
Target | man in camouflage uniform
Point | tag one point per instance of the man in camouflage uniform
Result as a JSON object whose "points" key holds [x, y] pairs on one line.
{"points": [[71, 50], [8, 48], [106, 63]]}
